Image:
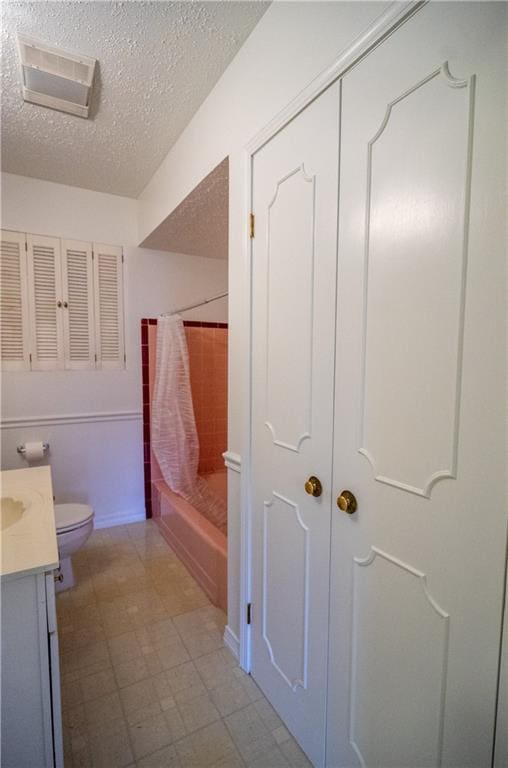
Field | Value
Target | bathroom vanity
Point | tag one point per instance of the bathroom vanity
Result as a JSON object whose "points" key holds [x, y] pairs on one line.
{"points": [[31, 724]]}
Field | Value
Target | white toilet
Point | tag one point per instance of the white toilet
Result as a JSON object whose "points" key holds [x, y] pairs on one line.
{"points": [[74, 524]]}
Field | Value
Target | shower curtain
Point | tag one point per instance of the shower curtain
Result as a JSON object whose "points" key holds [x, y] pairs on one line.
{"points": [[173, 429]]}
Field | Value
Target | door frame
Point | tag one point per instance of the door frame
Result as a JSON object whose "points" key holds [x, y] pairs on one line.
{"points": [[383, 26]]}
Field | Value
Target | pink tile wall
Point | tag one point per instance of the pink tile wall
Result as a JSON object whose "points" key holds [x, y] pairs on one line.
{"points": [[208, 350]]}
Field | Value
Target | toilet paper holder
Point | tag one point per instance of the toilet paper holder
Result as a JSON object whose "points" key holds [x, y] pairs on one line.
{"points": [[21, 448]]}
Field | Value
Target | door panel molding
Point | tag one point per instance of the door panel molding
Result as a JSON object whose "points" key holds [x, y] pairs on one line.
{"points": [[410, 460], [299, 634], [430, 628], [299, 421]]}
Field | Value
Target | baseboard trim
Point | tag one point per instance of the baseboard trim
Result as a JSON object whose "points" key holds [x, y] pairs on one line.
{"points": [[70, 418], [121, 518], [232, 642]]}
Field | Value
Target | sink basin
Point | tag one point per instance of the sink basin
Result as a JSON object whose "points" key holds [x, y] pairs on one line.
{"points": [[12, 511], [28, 543], [14, 506]]}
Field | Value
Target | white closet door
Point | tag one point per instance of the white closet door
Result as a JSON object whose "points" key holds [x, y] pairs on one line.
{"points": [[45, 291], [109, 319], [420, 417], [295, 186], [77, 279], [14, 302]]}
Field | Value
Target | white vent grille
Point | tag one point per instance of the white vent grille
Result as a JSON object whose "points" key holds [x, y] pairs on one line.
{"points": [[42, 58], [54, 78], [13, 301]]}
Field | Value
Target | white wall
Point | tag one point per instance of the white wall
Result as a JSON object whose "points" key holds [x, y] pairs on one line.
{"points": [[291, 45], [97, 461]]}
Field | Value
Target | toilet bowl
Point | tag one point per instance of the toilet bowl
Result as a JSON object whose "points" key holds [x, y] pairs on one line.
{"points": [[74, 524]]}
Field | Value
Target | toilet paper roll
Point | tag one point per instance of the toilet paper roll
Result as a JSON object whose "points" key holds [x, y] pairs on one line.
{"points": [[34, 451]]}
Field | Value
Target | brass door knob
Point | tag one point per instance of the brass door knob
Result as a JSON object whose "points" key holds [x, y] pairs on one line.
{"points": [[313, 486], [347, 502]]}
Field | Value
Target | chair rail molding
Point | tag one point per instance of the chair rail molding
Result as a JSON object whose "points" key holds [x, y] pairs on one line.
{"points": [[19, 422], [233, 461]]}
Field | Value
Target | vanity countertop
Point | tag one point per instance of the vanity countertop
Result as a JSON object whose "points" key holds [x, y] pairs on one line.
{"points": [[27, 522]]}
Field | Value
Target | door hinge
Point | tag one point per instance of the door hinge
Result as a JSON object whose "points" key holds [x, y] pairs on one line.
{"points": [[252, 224], [30, 356], [249, 612], [95, 358], [125, 358], [122, 257], [26, 246], [92, 255]]}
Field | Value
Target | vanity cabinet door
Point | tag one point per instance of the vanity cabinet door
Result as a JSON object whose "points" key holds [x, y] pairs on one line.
{"points": [[26, 686], [54, 670]]}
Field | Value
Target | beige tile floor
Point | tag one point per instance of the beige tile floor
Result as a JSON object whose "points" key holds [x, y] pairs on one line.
{"points": [[146, 679]]}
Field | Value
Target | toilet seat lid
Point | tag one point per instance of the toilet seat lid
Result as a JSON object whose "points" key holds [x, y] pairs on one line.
{"points": [[70, 516]]}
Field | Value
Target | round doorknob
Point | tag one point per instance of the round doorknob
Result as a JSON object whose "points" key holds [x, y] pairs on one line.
{"points": [[313, 486], [347, 502]]}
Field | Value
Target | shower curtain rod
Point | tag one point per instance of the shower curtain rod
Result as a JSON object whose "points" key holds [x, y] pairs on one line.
{"points": [[193, 306]]}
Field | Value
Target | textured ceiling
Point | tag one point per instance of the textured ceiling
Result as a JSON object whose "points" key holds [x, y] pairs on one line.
{"points": [[157, 62], [199, 225]]}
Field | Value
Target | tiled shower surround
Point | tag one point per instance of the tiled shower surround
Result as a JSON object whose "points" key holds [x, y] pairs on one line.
{"points": [[208, 348]]}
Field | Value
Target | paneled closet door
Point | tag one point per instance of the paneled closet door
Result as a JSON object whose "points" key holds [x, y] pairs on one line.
{"points": [[417, 569], [295, 186]]}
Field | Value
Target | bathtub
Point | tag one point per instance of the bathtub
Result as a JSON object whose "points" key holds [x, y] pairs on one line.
{"points": [[197, 542]]}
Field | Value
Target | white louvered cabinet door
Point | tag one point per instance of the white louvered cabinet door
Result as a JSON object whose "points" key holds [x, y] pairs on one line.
{"points": [[14, 302], [108, 291], [45, 291], [78, 311]]}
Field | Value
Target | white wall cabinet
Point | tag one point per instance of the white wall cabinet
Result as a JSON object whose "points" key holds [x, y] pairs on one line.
{"points": [[376, 634], [15, 321], [31, 728], [61, 304]]}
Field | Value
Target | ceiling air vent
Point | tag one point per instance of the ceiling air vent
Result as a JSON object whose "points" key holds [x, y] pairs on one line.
{"points": [[54, 78]]}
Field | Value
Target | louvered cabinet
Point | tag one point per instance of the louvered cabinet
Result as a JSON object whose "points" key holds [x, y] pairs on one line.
{"points": [[61, 304], [14, 331]]}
